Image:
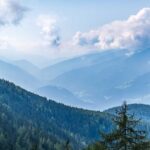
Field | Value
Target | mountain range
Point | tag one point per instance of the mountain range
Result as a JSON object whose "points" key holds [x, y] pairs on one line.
{"points": [[38, 122], [95, 81]]}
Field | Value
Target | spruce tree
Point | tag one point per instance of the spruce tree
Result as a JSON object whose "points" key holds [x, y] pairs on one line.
{"points": [[126, 135]]}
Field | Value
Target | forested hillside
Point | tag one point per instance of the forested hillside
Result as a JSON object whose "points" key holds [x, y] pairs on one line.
{"points": [[23, 111], [29, 121], [19, 134]]}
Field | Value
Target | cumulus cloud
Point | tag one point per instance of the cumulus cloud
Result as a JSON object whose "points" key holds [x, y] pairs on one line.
{"points": [[127, 34], [49, 30], [11, 12]]}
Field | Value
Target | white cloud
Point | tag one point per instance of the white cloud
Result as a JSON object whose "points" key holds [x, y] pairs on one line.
{"points": [[11, 12], [4, 43], [49, 30], [130, 34]]}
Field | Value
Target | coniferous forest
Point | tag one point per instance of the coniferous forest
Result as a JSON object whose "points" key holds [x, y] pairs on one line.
{"points": [[32, 121], [28, 121], [74, 75]]}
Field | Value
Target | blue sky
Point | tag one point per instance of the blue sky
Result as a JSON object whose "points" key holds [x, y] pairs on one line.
{"points": [[83, 15], [46, 27]]}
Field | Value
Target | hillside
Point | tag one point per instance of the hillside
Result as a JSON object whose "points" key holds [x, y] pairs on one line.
{"points": [[108, 83], [34, 118], [53, 71], [20, 134], [60, 95], [17, 75], [96, 81], [75, 75], [27, 66], [63, 122]]}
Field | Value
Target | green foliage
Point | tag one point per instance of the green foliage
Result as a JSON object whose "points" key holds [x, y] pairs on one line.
{"points": [[44, 124], [126, 135], [18, 134], [96, 146]]}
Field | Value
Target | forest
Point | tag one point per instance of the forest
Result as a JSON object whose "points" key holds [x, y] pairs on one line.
{"points": [[29, 121]]}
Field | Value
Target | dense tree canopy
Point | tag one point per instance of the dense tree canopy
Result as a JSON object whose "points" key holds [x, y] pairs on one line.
{"points": [[28, 121], [50, 119]]}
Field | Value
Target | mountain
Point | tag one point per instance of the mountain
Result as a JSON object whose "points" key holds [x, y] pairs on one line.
{"points": [[55, 119], [18, 134], [27, 66], [57, 69], [60, 95], [15, 74], [111, 80], [38, 122], [71, 65], [94, 81]]}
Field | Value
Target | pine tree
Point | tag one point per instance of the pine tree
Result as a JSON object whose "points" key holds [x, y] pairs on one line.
{"points": [[126, 136]]}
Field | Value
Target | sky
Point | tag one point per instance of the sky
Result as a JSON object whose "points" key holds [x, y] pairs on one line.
{"points": [[45, 30]]}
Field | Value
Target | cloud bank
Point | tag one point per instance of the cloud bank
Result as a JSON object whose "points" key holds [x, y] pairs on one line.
{"points": [[49, 30], [11, 12], [132, 33]]}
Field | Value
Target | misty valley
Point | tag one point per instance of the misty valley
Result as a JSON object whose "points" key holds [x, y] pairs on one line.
{"points": [[74, 75]]}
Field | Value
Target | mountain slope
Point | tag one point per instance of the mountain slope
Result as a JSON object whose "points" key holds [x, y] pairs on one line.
{"points": [[80, 126], [95, 81], [27, 66], [105, 83], [57, 69], [15, 74], [60, 95], [53, 121], [18, 134]]}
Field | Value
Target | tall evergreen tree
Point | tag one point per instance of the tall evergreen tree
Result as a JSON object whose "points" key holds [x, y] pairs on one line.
{"points": [[126, 135]]}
